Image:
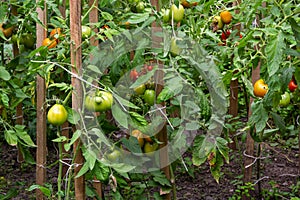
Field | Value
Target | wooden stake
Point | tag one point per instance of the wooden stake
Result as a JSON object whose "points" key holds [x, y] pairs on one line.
{"points": [[76, 61], [93, 18], [41, 135], [162, 135]]}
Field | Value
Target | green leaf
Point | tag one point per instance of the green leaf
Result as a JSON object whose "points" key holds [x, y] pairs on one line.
{"points": [[74, 138], [136, 18], [23, 135], [73, 116], [120, 116], [4, 74], [84, 169], [202, 147], [5, 99], [60, 139], [259, 116], [132, 144], [248, 85], [222, 146], [10, 194], [101, 172], [101, 136], [274, 51], [90, 158], [11, 137], [107, 16], [279, 122], [44, 190]]}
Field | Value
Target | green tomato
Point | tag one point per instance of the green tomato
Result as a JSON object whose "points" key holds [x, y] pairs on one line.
{"points": [[28, 40], [114, 155], [175, 50], [86, 32], [57, 115], [150, 148], [285, 99], [166, 15], [140, 89], [99, 101], [149, 97], [140, 7], [177, 12]]}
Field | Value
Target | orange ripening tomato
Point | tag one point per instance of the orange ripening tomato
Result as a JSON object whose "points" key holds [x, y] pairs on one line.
{"points": [[226, 17], [49, 43], [260, 88], [55, 31]]}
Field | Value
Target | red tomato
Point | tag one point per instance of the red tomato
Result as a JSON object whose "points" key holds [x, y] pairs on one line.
{"points": [[292, 85]]}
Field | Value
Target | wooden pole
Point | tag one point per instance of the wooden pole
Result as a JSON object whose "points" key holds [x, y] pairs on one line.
{"points": [[162, 135], [93, 18], [76, 61], [19, 110], [249, 140], [41, 135]]}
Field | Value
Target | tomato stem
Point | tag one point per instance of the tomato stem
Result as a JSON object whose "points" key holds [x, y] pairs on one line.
{"points": [[67, 98], [60, 165]]}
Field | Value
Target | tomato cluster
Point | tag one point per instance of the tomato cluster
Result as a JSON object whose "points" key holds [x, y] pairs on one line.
{"points": [[146, 143]]}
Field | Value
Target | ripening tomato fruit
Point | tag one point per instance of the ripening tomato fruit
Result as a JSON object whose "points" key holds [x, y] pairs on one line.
{"points": [[134, 75], [99, 101], [47, 42], [217, 22], [177, 12], [149, 67], [292, 85], [55, 33], [225, 35], [7, 32], [226, 17], [57, 115], [260, 88], [139, 136], [186, 4]]}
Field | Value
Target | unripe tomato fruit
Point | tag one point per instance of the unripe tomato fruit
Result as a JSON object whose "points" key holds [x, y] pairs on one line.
{"points": [[175, 50], [114, 155], [166, 15], [99, 101], [86, 32], [140, 7], [150, 148], [292, 85], [226, 17], [57, 115], [28, 40], [149, 97], [49, 43], [139, 136], [177, 12], [260, 88], [285, 99], [140, 89]]}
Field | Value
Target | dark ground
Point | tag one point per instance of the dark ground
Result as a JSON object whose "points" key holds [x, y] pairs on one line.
{"points": [[279, 171]]}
